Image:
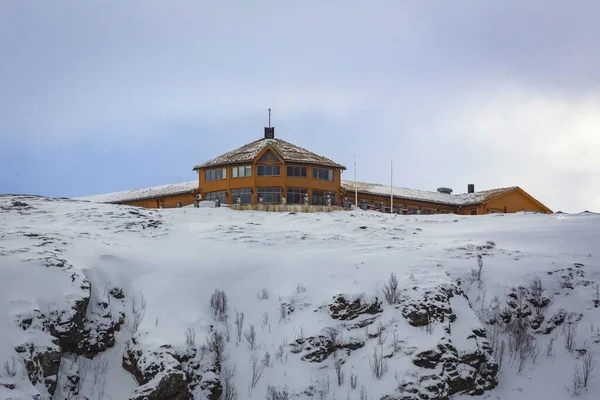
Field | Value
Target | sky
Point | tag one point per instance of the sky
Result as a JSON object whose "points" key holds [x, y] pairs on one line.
{"points": [[103, 96]]}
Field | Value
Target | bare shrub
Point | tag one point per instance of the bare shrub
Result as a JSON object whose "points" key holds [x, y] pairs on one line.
{"points": [[282, 312], [597, 297], [390, 291], [353, 381], [190, 336], [138, 309], [363, 393], [279, 354], [378, 364], [396, 344], [499, 354], [239, 325], [263, 294], [267, 360], [588, 364], [339, 373], [219, 304], [215, 343], [577, 382], [332, 333], [10, 367], [537, 299], [476, 275], [277, 394], [300, 288], [550, 348], [258, 368], [228, 383], [250, 336], [570, 332], [381, 335], [265, 320]]}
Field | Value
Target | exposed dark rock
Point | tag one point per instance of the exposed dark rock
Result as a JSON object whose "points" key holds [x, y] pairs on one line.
{"points": [[42, 363], [320, 347], [344, 309], [117, 293], [432, 305]]}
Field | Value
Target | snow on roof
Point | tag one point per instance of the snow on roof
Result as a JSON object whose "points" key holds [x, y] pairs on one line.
{"points": [[423, 195], [141, 194], [289, 152]]}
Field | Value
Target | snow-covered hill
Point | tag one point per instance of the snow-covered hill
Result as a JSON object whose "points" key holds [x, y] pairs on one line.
{"points": [[113, 302]]}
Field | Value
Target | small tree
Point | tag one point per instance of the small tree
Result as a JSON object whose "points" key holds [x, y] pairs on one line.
{"points": [[588, 364], [339, 373], [239, 325], [190, 336], [250, 336], [378, 364], [228, 383], [219, 304]]}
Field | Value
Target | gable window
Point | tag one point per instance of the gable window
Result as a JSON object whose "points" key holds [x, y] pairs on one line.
{"points": [[241, 171], [268, 170], [269, 156], [245, 196], [323, 174], [297, 172], [296, 196], [270, 195], [215, 174]]}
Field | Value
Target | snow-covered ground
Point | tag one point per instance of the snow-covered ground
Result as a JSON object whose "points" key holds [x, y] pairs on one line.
{"points": [[140, 283]]}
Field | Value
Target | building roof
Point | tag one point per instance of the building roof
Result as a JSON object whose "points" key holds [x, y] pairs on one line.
{"points": [[287, 151], [423, 195], [142, 194]]}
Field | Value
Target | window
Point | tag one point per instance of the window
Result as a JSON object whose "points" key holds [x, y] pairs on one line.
{"points": [[268, 170], [244, 194], [221, 195], [270, 195], [215, 174], [323, 174], [268, 156], [241, 172], [296, 196], [473, 212], [320, 198], [297, 172]]}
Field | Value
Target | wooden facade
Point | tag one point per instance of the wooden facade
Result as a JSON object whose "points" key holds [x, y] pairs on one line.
{"points": [[510, 200], [271, 174]]}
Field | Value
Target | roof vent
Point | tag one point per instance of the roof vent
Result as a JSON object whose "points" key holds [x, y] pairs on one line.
{"points": [[269, 133], [470, 188], [445, 190]]}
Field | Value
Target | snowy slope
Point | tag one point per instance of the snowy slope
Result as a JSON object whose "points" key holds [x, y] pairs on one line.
{"points": [[167, 263]]}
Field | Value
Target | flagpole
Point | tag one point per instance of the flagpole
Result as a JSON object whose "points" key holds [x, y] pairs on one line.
{"points": [[392, 187], [355, 184]]}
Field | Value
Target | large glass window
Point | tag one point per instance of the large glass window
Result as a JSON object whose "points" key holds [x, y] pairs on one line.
{"points": [[268, 170], [297, 172], [242, 171], [296, 196], [270, 195], [215, 174], [244, 194], [323, 174], [320, 197], [221, 195], [268, 156]]}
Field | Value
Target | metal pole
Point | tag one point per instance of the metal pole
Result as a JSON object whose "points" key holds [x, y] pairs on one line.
{"points": [[392, 187], [355, 184]]}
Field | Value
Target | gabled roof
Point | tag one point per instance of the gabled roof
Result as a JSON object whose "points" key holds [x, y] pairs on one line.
{"points": [[143, 194], [287, 151], [425, 196]]}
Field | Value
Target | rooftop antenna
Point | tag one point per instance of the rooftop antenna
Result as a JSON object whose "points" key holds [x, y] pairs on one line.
{"points": [[269, 117]]}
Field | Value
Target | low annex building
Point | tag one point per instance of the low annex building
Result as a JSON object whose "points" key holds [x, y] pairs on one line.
{"points": [[273, 171]]}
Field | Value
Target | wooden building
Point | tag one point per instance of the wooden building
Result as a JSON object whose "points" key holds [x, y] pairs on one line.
{"points": [[412, 201], [270, 171], [164, 196], [273, 171]]}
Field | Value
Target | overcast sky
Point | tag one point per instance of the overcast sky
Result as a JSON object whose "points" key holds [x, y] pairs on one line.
{"points": [[102, 96]]}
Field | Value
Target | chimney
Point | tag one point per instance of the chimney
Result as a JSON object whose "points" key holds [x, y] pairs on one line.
{"points": [[444, 190], [270, 133], [470, 188]]}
